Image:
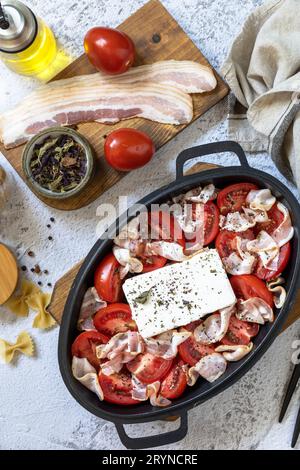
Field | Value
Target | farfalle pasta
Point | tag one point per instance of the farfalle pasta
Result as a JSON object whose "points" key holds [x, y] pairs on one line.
{"points": [[31, 297], [39, 303], [18, 304], [23, 345]]}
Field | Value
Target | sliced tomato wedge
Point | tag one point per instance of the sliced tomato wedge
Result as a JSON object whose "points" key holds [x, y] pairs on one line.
{"points": [[246, 286], [239, 332], [284, 256], [233, 197], [163, 226], [107, 279], [211, 222], [174, 384], [117, 388], [191, 351], [149, 368], [226, 241], [113, 319], [275, 218], [153, 262], [85, 346]]}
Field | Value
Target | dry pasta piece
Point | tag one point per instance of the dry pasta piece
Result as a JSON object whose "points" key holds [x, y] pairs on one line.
{"points": [[23, 344], [39, 303], [18, 304]]}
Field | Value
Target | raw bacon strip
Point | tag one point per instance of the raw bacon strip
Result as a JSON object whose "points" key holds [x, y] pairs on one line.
{"points": [[166, 344], [254, 310], [215, 327], [261, 199], [85, 373], [285, 231], [235, 352], [130, 342], [130, 263], [266, 248], [185, 75], [90, 305], [241, 221], [83, 99], [155, 398], [236, 265], [142, 392], [208, 193], [210, 367], [279, 292], [170, 250]]}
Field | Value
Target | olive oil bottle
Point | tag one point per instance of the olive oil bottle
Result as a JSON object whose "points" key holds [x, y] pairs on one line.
{"points": [[27, 44]]}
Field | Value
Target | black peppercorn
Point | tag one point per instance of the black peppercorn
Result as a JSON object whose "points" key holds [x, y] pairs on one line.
{"points": [[24, 268], [50, 238]]}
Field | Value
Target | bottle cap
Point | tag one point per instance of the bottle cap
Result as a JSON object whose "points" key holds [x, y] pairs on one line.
{"points": [[18, 26]]}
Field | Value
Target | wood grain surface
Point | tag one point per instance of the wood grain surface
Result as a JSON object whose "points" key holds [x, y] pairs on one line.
{"points": [[152, 19], [8, 274], [63, 285]]}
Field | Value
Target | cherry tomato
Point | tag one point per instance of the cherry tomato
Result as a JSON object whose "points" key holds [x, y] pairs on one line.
{"points": [[211, 222], [107, 279], [239, 332], [226, 241], [275, 218], [149, 368], [109, 50], [174, 384], [117, 388], [233, 197], [113, 319], [153, 262], [246, 286], [163, 226], [284, 256], [191, 351], [128, 149], [85, 346]]}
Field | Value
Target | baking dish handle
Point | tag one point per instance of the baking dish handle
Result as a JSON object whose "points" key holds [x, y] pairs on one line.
{"points": [[208, 149], [154, 441]]}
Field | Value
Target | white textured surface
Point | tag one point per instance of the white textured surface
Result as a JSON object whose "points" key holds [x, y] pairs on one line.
{"points": [[36, 410]]}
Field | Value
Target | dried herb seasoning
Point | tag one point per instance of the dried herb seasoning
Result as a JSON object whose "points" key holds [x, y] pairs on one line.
{"points": [[58, 164]]}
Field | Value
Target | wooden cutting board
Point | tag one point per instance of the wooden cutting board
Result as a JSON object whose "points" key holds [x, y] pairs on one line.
{"points": [[63, 285], [157, 36]]}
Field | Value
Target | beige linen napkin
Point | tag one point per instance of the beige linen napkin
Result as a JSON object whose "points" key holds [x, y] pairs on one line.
{"points": [[263, 71]]}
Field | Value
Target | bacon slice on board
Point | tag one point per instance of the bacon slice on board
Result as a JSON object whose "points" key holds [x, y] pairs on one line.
{"points": [[153, 92]]}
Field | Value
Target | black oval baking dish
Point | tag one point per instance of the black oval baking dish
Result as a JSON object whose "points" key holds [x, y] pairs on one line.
{"points": [[203, 390]]}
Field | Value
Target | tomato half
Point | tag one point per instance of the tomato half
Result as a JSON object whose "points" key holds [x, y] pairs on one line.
{"points": [[153, 262], [284, 256], [233, 197], [85, 346], [107, 279], [275, 218], [174, 384], [128, 149], [211, 222], [163, 226], [113, 319], [117, 388], [109, 50], [246, 286], [191, 351], [226, 241], [239, 332], [149, 368]]}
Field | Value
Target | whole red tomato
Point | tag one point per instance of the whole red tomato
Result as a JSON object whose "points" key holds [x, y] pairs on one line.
{"points": [[128, 149], [109, 50]]}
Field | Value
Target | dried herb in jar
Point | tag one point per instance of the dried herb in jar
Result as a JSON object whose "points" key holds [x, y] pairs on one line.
{"points": [[58, 164]]}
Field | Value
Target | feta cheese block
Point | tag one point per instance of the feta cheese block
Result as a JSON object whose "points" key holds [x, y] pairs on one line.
{"points": [[177, 294]]}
